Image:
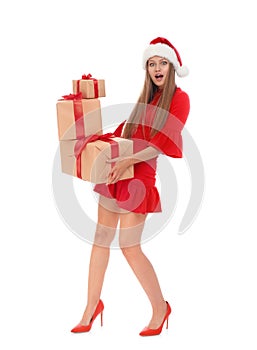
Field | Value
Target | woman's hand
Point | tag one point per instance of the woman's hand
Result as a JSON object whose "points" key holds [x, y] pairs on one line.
{"points": [[119, 168]]}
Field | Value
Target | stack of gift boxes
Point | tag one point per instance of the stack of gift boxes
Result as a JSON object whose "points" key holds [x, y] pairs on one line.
{"points": [[84, 148]]}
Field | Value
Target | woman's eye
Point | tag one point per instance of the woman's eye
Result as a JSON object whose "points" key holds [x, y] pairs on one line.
{"points": [[164, 63], [151, 64]]}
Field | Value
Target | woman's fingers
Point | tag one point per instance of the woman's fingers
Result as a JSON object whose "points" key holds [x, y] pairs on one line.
{"points": [[112, 178], [118, 169], [114, 174]]}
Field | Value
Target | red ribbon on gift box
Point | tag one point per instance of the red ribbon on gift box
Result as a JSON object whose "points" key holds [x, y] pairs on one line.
{"points": [[82, 143], [89, 77], [78, 113], [72, 97]]}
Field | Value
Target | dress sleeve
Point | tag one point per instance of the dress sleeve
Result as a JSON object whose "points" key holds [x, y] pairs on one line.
{"points": [[118, 131], [169, 139]]}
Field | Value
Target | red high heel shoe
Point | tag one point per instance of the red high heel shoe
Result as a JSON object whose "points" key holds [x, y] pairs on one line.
{"points": [[81, 328], [148, 331]]}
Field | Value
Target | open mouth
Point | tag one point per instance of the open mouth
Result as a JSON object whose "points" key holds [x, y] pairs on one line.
{"points": [[158, 77]]}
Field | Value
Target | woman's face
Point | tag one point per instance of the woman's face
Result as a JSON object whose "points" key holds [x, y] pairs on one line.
{"points": [[158, 68]]}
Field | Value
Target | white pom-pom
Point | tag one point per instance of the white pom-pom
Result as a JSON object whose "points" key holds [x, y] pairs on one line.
{"points": [[182, 71]]}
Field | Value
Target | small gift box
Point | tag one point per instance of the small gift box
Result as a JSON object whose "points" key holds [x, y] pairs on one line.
{"points": [[89, 87], [86, 159], [78, 117]]}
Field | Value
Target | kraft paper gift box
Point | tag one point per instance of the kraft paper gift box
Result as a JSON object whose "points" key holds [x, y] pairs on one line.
{"points": [[89, 87], [77, 117], [91, 165]]}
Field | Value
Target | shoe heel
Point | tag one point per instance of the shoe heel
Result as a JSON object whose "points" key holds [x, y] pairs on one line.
{"points": [[102, 319], [167, 323]]}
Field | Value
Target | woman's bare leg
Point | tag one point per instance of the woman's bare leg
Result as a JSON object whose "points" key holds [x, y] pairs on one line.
{"points": [[131, 228], [105, 232]]}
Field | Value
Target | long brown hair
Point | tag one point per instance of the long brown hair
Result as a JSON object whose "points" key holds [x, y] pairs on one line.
{"points": [[161, 110]]}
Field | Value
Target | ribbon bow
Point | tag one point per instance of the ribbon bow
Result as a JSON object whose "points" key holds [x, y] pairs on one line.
{"points": [[87, 77], [77, 96]]}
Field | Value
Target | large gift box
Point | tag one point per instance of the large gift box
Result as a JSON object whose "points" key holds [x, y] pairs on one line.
{"points": [[78, 117], [86, 158], [89, 87]]}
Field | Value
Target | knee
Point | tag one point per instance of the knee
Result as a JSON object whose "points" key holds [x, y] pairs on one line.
{"points": [[104, 235], [130, 253]]}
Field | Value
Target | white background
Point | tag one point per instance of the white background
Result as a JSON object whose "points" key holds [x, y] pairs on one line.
{"points": [[209, 273]]}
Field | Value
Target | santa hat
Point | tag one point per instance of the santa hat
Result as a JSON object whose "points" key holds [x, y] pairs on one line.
{"points": [[163, 48]]}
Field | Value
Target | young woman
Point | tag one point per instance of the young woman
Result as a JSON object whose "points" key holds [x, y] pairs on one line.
{"points": [[155, 126]]}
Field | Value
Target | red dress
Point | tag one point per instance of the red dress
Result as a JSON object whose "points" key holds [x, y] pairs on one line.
{"points": [[139, 194]]}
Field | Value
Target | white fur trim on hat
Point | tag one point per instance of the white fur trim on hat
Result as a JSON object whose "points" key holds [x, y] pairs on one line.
{"points": [[167, 52]]}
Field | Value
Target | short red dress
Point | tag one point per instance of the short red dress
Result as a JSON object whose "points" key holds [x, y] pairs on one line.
{"points": [[139, 194]]}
